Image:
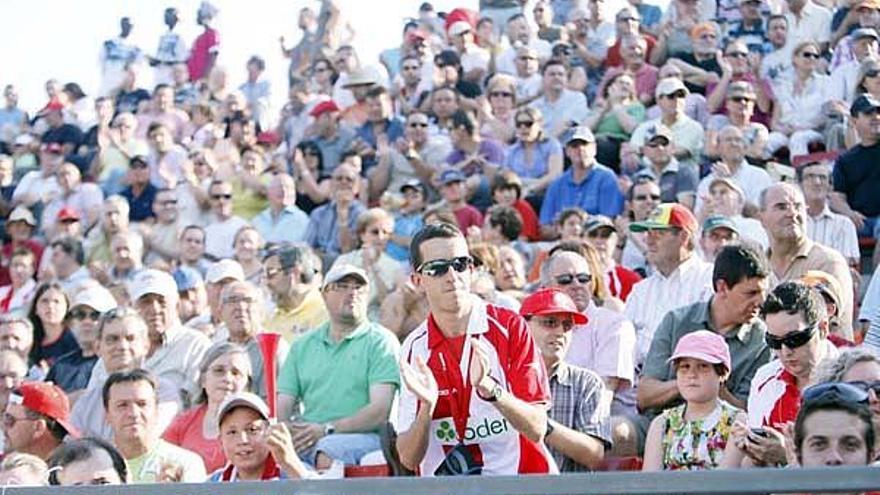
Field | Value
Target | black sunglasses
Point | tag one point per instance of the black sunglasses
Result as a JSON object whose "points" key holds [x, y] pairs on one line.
{"points": [[737, 54], [676, 94], [739, 99], [812, 55], [221, 196], [568, 279], [872, 73], [525, 123], [415, 125], [505, 94], [645, 197], [82, 314], [438, 268], [792, 340], [834, 392]]}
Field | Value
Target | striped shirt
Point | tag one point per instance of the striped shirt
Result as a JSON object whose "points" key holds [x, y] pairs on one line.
{"points": [[835, 231], [514, 362], [656, 295]]}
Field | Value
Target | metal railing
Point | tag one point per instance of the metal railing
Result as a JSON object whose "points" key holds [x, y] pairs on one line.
{"points": [[751, 481]]}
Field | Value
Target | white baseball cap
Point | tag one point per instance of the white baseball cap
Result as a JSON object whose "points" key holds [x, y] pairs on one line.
{"points": [[152, 282], [95, 297], [225, 268], [341, 270]]}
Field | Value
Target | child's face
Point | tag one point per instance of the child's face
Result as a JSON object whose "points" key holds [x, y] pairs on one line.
{"points": [[413, 200], [697, 380], [505, 196]]}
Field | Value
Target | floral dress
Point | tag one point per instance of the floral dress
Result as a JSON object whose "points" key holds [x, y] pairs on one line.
{"points": [[699, 444]]}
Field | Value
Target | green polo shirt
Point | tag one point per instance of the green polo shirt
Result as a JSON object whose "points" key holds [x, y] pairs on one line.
{"points": [[332, 380], [748, 352]]}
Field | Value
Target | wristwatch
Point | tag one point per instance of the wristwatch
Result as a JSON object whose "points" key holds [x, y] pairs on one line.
{"points": [[329, 429], [550, 428], [495, 394]]}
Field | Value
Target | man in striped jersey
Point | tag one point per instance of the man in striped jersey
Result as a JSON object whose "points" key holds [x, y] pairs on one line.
{"points": [[477, 393]]}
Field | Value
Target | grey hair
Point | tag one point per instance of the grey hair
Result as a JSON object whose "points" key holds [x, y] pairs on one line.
{"points": [[119, 202], [124, 313], [833, 369], [214, 353], [19, 317], [17, 460]]}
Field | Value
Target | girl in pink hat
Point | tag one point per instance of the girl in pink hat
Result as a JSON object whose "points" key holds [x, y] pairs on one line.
{"points": [[693, 435]]}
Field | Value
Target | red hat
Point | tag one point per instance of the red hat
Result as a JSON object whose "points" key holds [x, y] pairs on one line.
{"points": [[667, 216], [67, 213], [54, 104], [813, 158], [268, 137], [47, 399], [549, 302], [416, 34], [324, 107]]}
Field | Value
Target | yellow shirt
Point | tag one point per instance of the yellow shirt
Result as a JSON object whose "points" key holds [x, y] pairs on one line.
{"points": [[294, 322], [246, 202]]}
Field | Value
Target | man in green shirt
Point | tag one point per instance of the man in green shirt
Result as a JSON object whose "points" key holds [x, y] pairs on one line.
{"points": [[339, 380]]}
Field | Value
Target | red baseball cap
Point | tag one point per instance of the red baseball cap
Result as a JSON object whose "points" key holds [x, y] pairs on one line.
{"points": [[67, 213], [54, 105], [667, 216], [53, 148], [550, 302], [47, 399], [324, 107]]}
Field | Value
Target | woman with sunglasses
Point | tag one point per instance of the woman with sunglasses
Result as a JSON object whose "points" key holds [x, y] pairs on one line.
{"points": [[498, 120], [696, 434], [799, 113], [858, 367], [614, 118], [535, 157], [73, 370], [323, 76]]}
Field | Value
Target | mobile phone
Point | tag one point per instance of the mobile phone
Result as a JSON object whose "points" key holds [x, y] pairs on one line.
{"points": [[759, 432]]}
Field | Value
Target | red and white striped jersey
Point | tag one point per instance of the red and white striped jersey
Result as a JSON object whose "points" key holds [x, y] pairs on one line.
{"points": [[514, 362]]}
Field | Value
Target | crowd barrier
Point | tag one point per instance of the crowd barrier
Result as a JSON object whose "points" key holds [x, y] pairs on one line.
{"points": [[752, 481]]}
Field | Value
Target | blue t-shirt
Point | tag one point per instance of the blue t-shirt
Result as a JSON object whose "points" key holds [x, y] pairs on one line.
{"points": [[516, 158], [598, 193], [405, 226]]}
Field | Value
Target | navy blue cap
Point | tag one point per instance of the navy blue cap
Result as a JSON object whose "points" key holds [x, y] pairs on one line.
{"points": [[451, 175]]}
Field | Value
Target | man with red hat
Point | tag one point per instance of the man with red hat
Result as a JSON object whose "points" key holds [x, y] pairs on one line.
{"points": [[36, 420], [333, 139], [68, 136], [579, 423], [680, 275]]}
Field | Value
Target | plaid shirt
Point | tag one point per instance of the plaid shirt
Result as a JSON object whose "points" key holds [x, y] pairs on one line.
{"points": [[580, 402]]}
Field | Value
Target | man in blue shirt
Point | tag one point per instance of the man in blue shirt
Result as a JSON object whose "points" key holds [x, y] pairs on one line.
{"points": [[282, 221], [379, 122], [587, 184], [331, 226]]}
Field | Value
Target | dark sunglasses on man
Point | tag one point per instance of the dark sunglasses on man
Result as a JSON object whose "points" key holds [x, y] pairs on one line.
{"points": [[792, 340], [438, 268]]}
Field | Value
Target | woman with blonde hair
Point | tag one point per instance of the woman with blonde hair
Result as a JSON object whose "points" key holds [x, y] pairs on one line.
{"points": [[498, 117]]}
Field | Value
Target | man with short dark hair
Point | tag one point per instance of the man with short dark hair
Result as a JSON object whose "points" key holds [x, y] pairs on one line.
{"points": [[140, 192], [739, 278], [87, 461], [797, 333], [68, 261], [380, 122], [37, 419], [343, 373], [220, 233], [561, 107], [834, 427], [468, 360], [130, 401]]}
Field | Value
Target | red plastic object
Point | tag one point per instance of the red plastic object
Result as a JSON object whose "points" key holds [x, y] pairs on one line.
{"points": [[377, 470], [268, 342]]}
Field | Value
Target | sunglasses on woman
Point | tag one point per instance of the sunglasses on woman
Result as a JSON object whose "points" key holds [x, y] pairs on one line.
{"points": [[792, 340], [438, 268]]}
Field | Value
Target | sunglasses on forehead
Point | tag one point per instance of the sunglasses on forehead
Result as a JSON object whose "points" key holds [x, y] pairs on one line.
{"points": [[438, 268]]}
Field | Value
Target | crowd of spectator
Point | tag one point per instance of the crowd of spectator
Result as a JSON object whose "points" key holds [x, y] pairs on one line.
{"points": [[542, 237]]}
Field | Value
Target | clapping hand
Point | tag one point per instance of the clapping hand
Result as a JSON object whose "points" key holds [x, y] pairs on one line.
{"points": [[419, 380]]}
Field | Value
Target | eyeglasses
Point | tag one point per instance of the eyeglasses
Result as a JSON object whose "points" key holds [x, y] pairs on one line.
{"points": [[411, 67], [438, 268], [568, 279], [81, 314], [834, 392], [218, 197], [169, 202], [525, 124], [872, 73], [657, 144], [379, 231], [676, 95], [321, 69], [343, 178], [792, 340], [416, 125], [555, 322], [505, 94], [526, 58], [739, 99], [811, 55], [645, 197], [737, 54], [867, 386]]}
